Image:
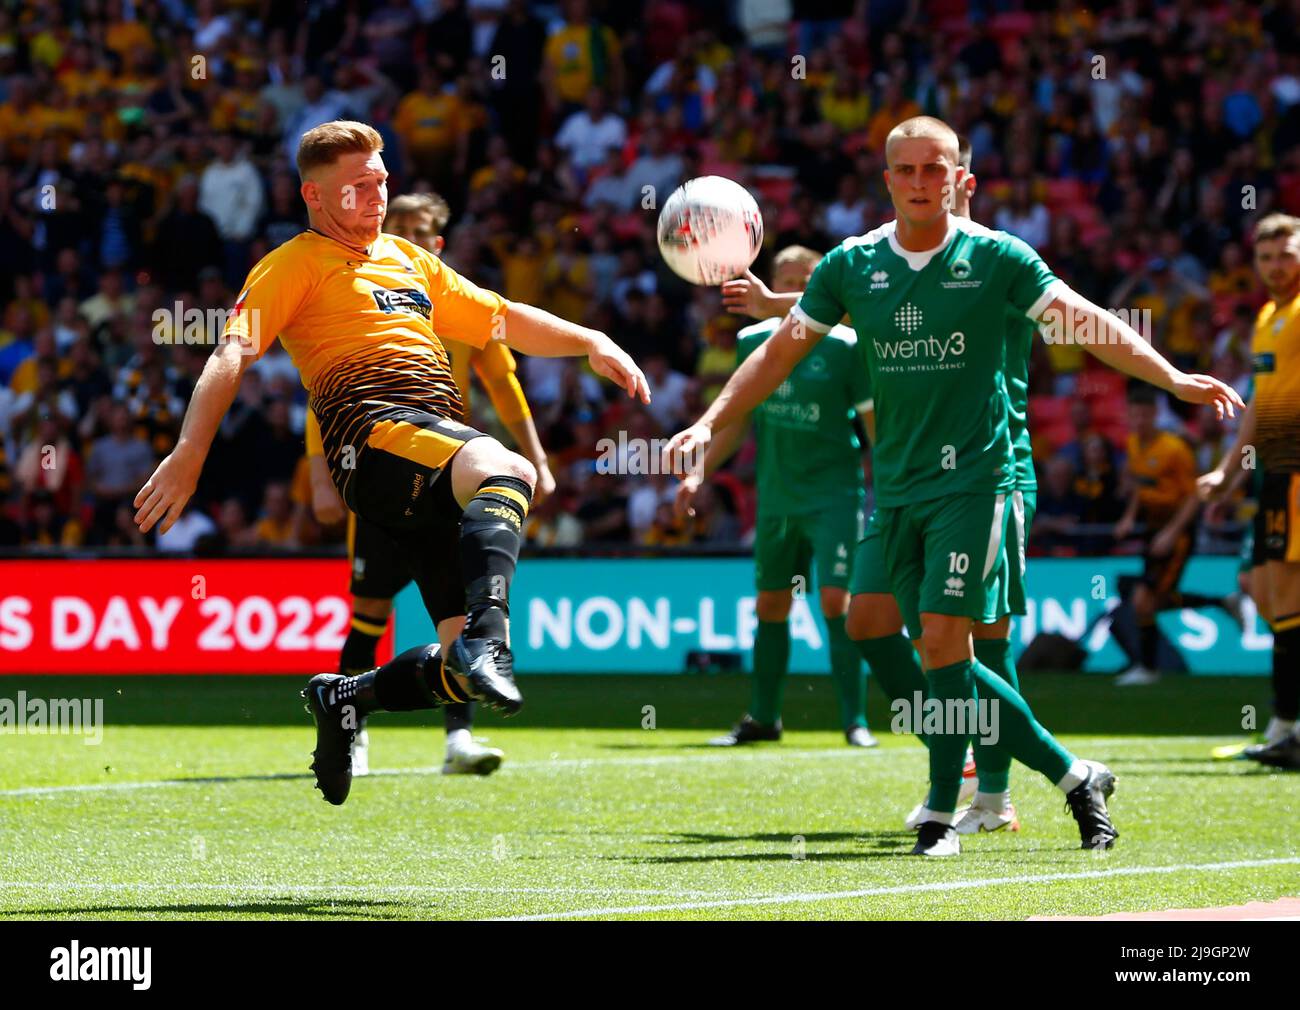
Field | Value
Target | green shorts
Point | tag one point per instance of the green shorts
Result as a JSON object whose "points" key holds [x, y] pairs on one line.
{"points": [[947, 556], [869, 572], [785, 547], [1021, 518]]}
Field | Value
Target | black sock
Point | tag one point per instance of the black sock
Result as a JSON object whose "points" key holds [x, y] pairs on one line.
{"points": [[490, 534], [359, 647], [460, 716], [1286, 676], [1148, 641], [414, 680]]}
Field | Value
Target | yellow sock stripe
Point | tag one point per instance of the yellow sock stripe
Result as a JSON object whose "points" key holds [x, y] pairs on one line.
{"points": [[442, 672], [369, 627], [510, 493], [1286, 623]]}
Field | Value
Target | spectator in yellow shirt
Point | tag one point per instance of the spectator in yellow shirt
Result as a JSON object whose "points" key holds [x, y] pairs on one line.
{"points": [[429, 121], [581, 55], [276, 528]]}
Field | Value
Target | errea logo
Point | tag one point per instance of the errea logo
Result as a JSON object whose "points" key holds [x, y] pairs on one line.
{"points": [[785, 389], [955, 586], [908, 317], [879, 280]]}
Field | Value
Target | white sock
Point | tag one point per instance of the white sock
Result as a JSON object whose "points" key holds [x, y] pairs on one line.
{"points": [[934, 815], [1076, 776], [459, 738], [993, 801]]}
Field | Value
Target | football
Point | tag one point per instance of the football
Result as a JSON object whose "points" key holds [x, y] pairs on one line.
{"points": [[710, 230]]}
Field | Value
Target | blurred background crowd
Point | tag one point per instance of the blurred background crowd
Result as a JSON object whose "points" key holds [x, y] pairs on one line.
{"points": [[146, 163]]}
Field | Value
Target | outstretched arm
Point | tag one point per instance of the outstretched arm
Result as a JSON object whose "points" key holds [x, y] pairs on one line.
{"points": [[749, 296], [1118, 345], [536, 331], [750, 384], [165, 494], [1216, 483], [720, 450]]}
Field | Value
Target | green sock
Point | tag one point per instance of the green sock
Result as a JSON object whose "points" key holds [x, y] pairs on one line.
{"points": [[846, 670], [771, 660], [894, 664], [1018, 732], [994, 763], [955, 682]]}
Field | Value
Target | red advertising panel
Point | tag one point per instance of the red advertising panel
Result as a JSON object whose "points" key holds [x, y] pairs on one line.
{"points": [[174, 616]]}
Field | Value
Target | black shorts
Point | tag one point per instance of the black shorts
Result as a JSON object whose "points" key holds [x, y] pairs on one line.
{"points": [[1277, 522], [379, 567], [1162, 575], [407, 519]]}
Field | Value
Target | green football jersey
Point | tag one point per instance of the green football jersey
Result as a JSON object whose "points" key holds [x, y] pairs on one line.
{"points": [[1021, 331], [933, 330], [809, 458]]}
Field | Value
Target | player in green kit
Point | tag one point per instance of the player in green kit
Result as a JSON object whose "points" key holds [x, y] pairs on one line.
{"points": [[929, 296], [810, 508], [875, 622]]}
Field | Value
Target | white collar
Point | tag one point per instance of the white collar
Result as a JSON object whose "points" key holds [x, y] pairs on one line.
{"points": [[918, 260]]}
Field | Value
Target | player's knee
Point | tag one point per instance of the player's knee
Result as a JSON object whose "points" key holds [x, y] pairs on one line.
{"points": [[835, 602], [873, 615], [521, 469], [945, 641], [998, 630], [772, 605]]}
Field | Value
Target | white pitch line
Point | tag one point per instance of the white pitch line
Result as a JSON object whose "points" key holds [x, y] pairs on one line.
{"points": [[874, 892], [729, 757], [556, 763]]}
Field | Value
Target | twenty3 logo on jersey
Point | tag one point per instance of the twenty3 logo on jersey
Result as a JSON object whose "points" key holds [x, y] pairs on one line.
{"points": [[921, 353]]}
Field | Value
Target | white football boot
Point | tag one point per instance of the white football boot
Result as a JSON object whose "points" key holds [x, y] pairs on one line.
{"points": [[978, 818], [970, 784], [467, 757], [1137, 676], [935, 839]]}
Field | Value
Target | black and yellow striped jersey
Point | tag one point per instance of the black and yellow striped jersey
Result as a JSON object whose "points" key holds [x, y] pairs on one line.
{"points": [[1276, 351], [364, 328]]}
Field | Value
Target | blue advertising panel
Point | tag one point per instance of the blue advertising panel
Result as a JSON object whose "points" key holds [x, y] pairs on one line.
{"points": [[616, 615]]}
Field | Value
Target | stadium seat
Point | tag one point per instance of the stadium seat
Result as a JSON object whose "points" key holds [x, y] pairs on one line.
{"points": [[1045, 410], [1055, 434], [1064, 192]]}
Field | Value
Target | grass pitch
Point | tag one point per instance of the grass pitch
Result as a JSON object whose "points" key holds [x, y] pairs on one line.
{"points": [[198, 804]]}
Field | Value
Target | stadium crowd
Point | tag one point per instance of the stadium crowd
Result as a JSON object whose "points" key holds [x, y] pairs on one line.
{"points": [[146, 162]]}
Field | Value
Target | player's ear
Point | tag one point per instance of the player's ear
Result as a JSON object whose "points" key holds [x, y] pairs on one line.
{"points": [[310, 190], [439, 243]]}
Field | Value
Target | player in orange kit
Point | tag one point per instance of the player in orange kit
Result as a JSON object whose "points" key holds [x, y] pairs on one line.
{"points": [[379, 567], [361, 314]]}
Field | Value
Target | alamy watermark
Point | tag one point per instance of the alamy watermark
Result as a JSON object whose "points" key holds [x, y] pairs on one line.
{"points": [[642, 457], [194, 326], [975, 717], [27, 716], [1080, 326]]}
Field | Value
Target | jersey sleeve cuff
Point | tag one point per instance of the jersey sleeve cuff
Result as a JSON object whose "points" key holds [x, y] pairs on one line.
{"points": [[1045, 299], [801, 316]]}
